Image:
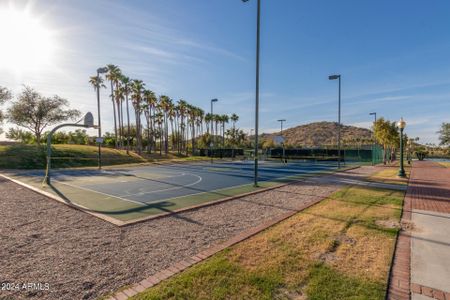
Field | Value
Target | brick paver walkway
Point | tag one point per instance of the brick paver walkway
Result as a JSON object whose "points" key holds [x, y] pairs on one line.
{"points": [[421, 262]]}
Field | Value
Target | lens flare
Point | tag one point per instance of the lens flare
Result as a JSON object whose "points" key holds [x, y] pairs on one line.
{"points": [[26, 43]]}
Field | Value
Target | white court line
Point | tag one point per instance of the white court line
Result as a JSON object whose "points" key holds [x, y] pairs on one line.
{"points": [[168, 189], [89, 190]]}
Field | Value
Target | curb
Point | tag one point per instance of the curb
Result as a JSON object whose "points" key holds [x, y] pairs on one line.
{"points": [[399, 279], [429, 292], [60, 200]]}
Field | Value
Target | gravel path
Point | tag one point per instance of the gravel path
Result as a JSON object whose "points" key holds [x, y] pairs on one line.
{"points": [[82, 257]]}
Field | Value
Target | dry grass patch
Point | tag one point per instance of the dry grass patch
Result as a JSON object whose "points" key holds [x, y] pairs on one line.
{"points": [[337, 249], [445, 164], [389, 175], [364, 253]]}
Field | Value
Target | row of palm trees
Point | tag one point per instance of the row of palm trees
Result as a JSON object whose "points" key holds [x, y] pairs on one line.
{"points": [[174, 124]]}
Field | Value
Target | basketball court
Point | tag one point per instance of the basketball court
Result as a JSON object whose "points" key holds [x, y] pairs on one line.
{"points": [[132, 193]]}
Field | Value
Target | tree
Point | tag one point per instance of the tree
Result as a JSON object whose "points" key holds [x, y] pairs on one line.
{"points": [[137, 88], [113, 76], [386, 134], [36, 112], [234, 118], [444, 134], [22, 136], [5, 95], [126, 91], [148, 106]]}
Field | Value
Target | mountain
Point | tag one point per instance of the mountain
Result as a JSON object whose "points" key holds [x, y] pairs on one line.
{"points": [[321, 134]]}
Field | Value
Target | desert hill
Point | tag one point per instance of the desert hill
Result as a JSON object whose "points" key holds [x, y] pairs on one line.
{"points": [[321, 134]]}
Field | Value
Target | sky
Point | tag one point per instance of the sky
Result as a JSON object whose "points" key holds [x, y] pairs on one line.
{"points": [[393, 57]]}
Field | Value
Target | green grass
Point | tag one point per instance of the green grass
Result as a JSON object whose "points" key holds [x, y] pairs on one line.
{"points": [[21, 156], [337, 249], [325, 283], [217, 278]]}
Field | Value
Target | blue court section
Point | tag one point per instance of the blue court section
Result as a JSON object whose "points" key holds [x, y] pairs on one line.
{"points": [[156, 183], [126, 194]]}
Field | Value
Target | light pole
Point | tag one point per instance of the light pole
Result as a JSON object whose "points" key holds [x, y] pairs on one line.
{"points": [[212, 119], [334, 77], [375, 116], [258, 26], [401, 124], [373, 136], [99, 71], [281, 134]]}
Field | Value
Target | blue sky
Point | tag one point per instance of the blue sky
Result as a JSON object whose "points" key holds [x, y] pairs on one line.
{"points": [[393, 57]]}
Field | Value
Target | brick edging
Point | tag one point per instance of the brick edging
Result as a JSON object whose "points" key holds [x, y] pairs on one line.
{"points": [[203, 255], [429, 292], [399, 279]]}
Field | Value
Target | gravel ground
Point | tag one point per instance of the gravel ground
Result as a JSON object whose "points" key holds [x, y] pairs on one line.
{"points": [[82, 257]]}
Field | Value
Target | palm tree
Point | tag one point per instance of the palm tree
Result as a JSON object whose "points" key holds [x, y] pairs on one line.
{"points": [[112, 75], [182, 109], [120, 97], [149, 104], [208, 118], [234, 118], [137, 87], [223, 119], [171, 113], [164, 102], [159, 119], [126, 91], [97, 82]]}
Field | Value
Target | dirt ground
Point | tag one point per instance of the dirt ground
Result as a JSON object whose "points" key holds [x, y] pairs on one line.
{"points": [[51, 251]]}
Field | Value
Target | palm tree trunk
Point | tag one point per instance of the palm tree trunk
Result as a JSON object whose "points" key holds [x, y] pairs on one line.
{"points": [[148, 130], [128, 121], [166, 135], [223, 134], [152, 125], [119, 115], [160, 139], [114, 112]]}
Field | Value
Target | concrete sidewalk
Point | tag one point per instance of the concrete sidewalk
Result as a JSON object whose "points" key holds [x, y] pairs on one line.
{"points": [[426, 246]]}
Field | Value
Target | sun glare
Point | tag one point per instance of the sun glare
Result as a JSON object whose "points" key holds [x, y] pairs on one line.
{"points": [[26, 43]]}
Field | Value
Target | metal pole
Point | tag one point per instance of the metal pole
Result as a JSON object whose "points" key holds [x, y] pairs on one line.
{"points": [[339, 125], [49, 148], [99, 122], [282, 144], [258, 21], [401, 172], [373, 136], [49, 155], [211, 142]]}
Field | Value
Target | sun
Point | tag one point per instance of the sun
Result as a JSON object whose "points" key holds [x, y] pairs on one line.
{"points": [[26, 43]]}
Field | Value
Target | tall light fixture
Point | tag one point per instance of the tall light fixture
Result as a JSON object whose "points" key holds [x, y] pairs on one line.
{"points": [[334, 77], [258, 26], [373, 136], [99, 141], [401, 124], [212, 119], [281, 134]]}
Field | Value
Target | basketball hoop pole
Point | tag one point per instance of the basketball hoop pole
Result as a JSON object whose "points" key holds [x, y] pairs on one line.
{"points": [[88, 123]]}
